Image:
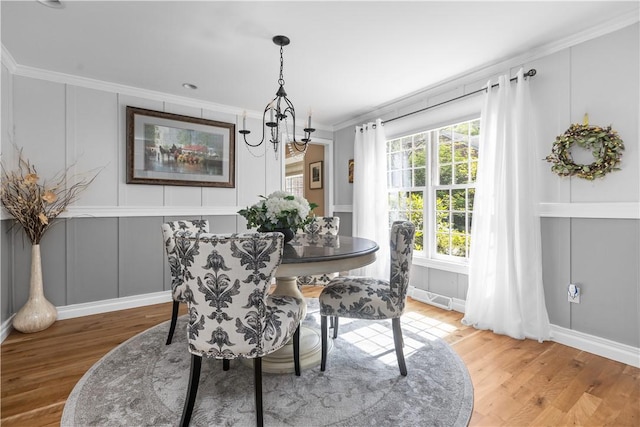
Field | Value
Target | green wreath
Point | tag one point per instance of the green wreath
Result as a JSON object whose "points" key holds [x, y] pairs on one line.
{"points": [[604, 143]]}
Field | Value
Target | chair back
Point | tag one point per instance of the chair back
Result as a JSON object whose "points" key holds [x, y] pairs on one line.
{"points": [[320, 228], [192, 227], [402, 237], [228, 278], [323, 225]]}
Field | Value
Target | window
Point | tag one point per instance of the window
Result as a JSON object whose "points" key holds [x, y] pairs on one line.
{"points": [[431, 178], [294, 184]]}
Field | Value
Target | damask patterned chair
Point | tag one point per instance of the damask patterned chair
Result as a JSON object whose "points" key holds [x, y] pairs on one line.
{"points": [[373, 299], [231, 313], [319, 227], [177, 283]]}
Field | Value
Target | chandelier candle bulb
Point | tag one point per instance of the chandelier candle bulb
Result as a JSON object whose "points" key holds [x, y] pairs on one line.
{"points": [[244, 119]]}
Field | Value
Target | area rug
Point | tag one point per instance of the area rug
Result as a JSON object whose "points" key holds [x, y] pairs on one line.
{"points": [[143, 382]]}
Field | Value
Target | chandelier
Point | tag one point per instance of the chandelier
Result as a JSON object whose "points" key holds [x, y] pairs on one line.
{"points": [[279, 110]]}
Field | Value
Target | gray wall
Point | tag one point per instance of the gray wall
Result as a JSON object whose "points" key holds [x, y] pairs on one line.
{"points": [[93, 259], [586, 239], [101, 257], [110, 246]]}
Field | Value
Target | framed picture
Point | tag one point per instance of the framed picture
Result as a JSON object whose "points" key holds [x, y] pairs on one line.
{"points": [[351, 171], [170, 149], [315, 175]]}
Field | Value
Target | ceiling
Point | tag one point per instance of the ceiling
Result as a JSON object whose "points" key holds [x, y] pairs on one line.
{"points": [[345, 58]]}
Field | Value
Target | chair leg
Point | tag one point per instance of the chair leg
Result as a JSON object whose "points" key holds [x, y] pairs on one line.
{"points": [[192, 390], [257, 375], [296, 350], [324, 332], [225, 364], [399, 342], [174, 318], [335, 327]]}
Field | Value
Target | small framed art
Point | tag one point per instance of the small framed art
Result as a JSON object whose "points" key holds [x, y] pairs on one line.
{"points": [[315, 175]]}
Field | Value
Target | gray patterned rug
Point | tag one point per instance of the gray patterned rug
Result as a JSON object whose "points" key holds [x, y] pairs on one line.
{"points": [[143, 382]]}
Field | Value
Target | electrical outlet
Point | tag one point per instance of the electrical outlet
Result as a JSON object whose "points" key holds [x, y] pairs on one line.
{"points": [[573, 293]]}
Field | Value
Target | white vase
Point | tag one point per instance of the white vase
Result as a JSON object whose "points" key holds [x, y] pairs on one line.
{"points": [[38, 313]]}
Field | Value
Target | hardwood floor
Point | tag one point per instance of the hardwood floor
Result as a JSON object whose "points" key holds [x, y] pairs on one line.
{"points": [[516, 383]]}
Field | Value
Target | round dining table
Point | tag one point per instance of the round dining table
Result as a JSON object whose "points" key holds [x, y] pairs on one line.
{"points": [[309, 254]]}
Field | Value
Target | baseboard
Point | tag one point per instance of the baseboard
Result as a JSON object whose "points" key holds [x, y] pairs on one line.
{"points": [[458, 305], [7, 327], [601, 346], [115, 304], [97, 307]]}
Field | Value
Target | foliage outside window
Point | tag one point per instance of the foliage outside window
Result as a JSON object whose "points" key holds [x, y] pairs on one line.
{"points": [[436, 191]]}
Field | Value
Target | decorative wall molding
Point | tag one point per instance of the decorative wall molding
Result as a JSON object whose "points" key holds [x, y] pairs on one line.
{"points": [[343, 208], [141, 211], [619, 210], [133, 211], [8, 61], [626, 210]]}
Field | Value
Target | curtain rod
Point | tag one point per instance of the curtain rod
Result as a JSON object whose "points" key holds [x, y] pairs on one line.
{"points": [[532, 72]]}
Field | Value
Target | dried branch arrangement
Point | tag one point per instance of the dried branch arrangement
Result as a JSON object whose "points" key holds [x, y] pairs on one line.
{"points": [[33, 203]]}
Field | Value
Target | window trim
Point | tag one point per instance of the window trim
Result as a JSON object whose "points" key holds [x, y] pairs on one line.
{"points": [[428, 256], [460, 266]]}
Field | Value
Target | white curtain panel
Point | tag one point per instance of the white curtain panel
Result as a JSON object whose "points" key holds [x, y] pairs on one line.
{"points": [[370, 195], [505, 292]]}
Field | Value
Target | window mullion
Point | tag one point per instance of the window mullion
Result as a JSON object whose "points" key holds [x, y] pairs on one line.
{"points": [[449, 151]]}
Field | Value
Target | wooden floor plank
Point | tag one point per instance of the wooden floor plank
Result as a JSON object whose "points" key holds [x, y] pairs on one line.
{"points": [[516, 382]]}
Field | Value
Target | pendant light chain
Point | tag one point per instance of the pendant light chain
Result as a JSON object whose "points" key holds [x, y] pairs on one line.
{"points": [[281, 79]]}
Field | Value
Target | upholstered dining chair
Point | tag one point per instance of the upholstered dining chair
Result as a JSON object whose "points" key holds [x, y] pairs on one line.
{"points": [[319, 227], [231, 313], [177, 284], [370, 298]]}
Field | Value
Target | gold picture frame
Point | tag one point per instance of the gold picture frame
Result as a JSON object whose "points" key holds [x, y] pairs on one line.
{"points": [[171, 149]]}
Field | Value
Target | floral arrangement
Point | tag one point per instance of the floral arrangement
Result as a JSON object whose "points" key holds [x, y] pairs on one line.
{"points": [[279, 210], [33, 203], [604, 143]]}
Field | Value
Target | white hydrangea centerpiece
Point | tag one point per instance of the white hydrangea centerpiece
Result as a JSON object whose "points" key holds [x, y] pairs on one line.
{"points": [[279, 210]]}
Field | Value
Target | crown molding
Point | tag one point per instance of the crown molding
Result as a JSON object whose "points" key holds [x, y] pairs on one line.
{"points": [[70, 79], [63, 78], [489, 69]]}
